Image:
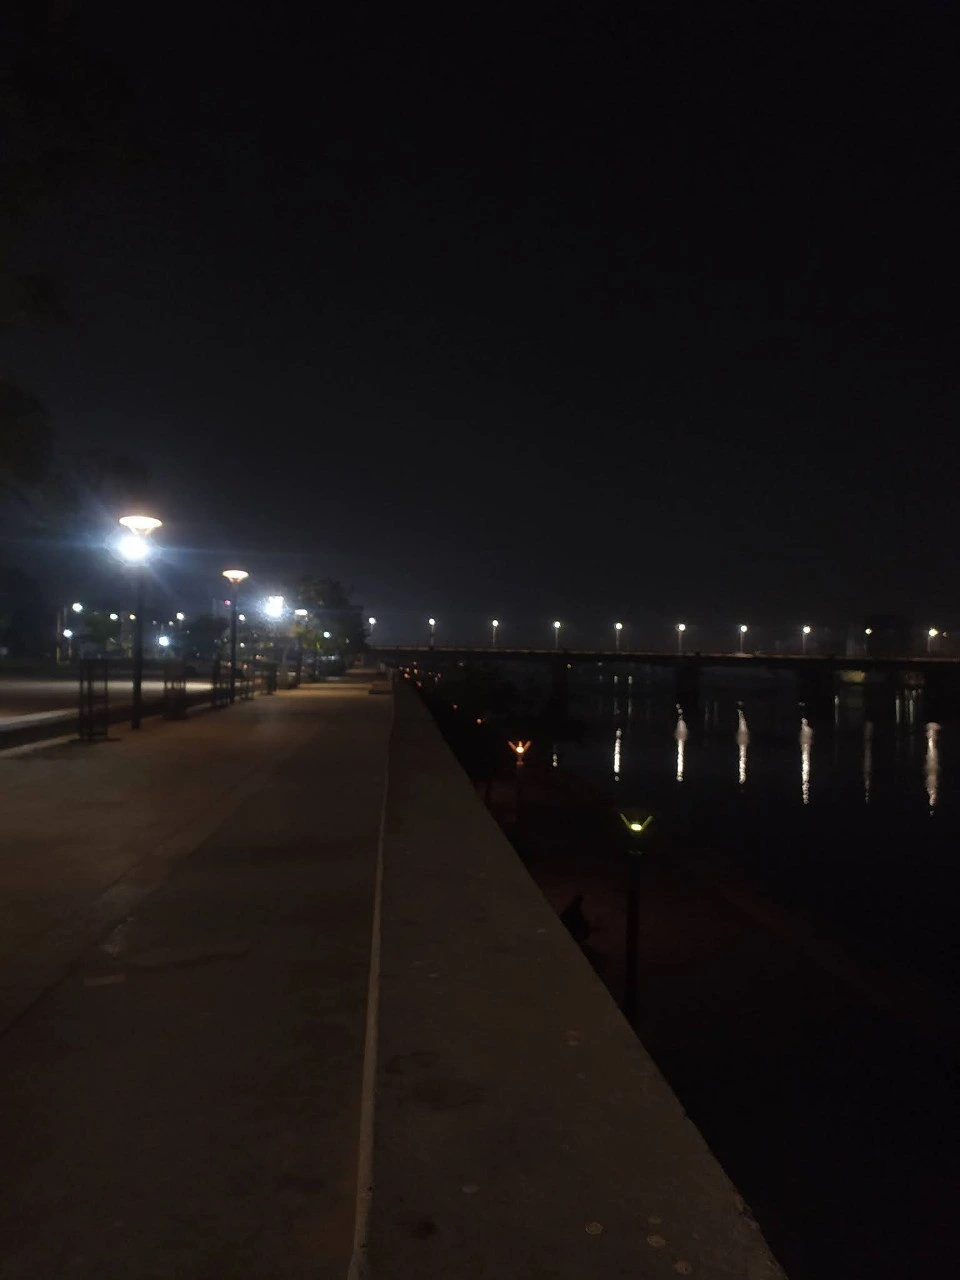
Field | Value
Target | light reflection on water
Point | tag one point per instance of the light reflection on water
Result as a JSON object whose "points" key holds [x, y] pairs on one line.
{"points": [[932, 765], [853, 842], [857, 747]]}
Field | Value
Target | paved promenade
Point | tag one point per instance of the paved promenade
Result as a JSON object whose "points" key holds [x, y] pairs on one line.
{"points": [[182, 1100], [200, 1065]]}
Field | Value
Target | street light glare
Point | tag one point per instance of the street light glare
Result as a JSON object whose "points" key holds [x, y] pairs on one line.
{"points": [[68, 633], [273, 606], [114, 617], [163, 642], [681, 626], [77, 607], [431, 622], [933, 632], [556, 626], [235, 576], [300, 613], [180, 617], [134, 548], [743, 628], [807, 630], [618, 626], [371, 622]]}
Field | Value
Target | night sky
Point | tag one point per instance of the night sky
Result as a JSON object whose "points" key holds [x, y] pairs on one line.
{"points": [[642, 311]]}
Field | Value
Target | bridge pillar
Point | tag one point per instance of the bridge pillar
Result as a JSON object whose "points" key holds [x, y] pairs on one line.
{"points": [[815, 691], [686, 685]]}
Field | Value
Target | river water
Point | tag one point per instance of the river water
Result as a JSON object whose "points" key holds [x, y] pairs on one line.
{"points": [[854, 821]]}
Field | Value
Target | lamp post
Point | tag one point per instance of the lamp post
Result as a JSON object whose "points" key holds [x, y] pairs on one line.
{"points": [[681, 628], [932, 634], [617, 632], [234, 577], [743, 632], [135, 549], [432, 624], [804, 632], [371, 623], [494, 627], [556, 635]]}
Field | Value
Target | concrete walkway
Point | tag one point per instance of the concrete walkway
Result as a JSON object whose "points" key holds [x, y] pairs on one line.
{"points": [[184, 1099], [188, 1084]]}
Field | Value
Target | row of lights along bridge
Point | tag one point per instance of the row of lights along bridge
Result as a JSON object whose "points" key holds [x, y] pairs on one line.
{"points": [[681, 628]]}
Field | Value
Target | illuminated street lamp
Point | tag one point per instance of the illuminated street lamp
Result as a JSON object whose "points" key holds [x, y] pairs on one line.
{"points": [[273, 607], [617, 632], [556, 635], [301, 613], [494, 628], [743, 631], [681, 628], [77, 607], [134, 547], [234, 577], [804, 632], [432, 624], [371, 623], [932, 634]]}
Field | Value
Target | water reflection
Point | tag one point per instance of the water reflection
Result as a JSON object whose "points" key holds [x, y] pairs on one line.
{"points": [[680, 733], [743, 741], [867, 759], [617, 739], [806, 740], [932, 765]]}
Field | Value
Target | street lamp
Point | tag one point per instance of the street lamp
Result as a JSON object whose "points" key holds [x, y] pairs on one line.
{"points": [[273, 606], [932, 634], [617, 631], [556, 635], [371, 623], [494, 627], [743, 632], [804, 632], [432, 624], [235, 577], [77, 607], [135, 549], [681, 628]]}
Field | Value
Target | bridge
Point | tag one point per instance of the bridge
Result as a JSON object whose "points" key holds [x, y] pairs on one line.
{"points": [[815, 673]]}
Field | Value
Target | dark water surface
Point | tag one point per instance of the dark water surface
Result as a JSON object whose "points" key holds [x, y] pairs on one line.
{"points": [[856, 823]]}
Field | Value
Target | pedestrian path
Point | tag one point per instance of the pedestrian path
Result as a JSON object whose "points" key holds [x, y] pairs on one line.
{"points": [[183, 1101]]}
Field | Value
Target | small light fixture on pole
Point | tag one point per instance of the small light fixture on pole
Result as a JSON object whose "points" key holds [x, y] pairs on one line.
{"points": [[556, 635], [743, 632], [494, 627], [77, 607], [804, 632], [371, 623], [932, 634], [617, 632], [234, 577], [432, 624], [135, 549], [681, 628]]}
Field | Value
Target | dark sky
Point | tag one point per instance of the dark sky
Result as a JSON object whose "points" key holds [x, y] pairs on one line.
{"points": [[582, 311]]}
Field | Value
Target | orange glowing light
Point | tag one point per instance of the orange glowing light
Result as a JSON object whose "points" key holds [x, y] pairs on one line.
{"points": [[520, 749]]}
